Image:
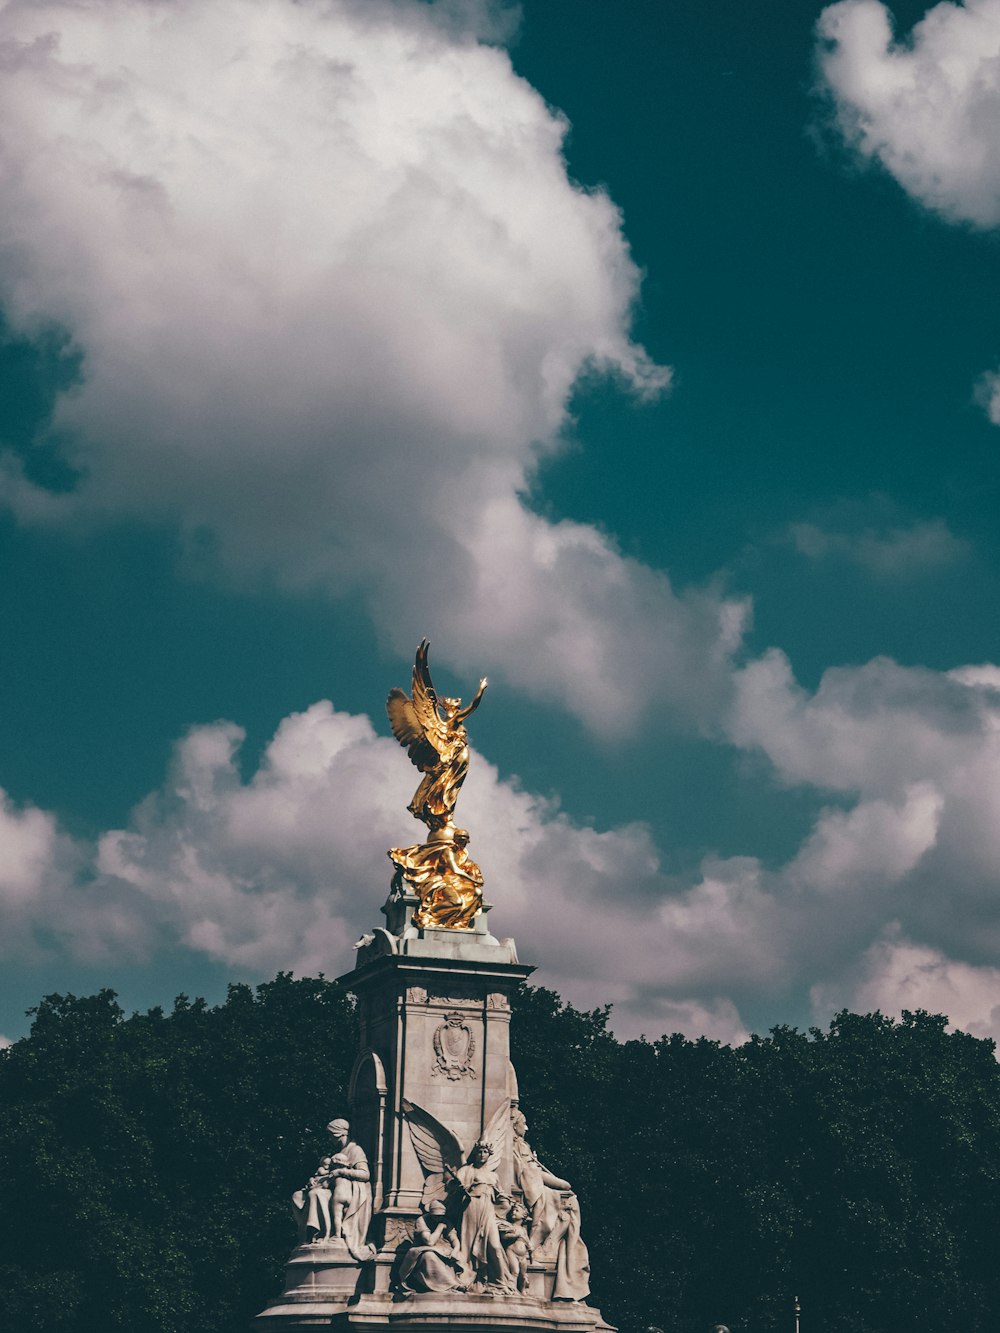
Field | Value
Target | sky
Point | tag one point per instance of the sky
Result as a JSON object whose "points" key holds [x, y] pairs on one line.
{"points": [[645, 358]]}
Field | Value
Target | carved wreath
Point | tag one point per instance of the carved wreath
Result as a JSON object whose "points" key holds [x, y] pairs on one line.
{"points": [[454, 1047]]}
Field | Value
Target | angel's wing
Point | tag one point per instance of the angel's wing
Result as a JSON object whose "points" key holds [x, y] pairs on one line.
{"points": [[438, 1149], [497, 1134], [425, 699], [415, 722]]}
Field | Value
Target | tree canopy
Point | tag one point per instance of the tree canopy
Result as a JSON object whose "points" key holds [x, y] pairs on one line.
{"points": [[147, 1163]]}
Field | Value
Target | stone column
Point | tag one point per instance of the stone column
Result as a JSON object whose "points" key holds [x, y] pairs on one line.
{"points": [[434, 1015]]}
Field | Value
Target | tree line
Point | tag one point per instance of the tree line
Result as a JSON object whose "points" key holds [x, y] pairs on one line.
{"points": [[146, 1163]]}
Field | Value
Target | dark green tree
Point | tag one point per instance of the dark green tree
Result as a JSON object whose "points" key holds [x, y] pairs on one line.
{"points": [[147, 1162]]}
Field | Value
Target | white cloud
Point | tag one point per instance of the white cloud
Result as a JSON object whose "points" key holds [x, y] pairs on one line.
{"points": [[48, 896], [987, 395], [5, 1042], [281, 869], [726, 930], [927, 107], [892, 552], [28, 841], [717, 1019], [872, 729], [332, 287], [896, 974], [36, 869], [916, 756], [874, 844]]}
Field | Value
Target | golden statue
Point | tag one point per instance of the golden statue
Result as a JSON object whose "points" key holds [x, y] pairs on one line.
{"points": [[440, 871], [444, 876]]}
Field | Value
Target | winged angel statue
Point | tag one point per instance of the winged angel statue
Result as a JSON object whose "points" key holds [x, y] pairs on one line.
{"points": [[468, 1184], [439, 871]]}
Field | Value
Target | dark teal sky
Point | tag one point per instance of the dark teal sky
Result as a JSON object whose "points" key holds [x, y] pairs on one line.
{"points": [[826, 334], [822, 327]]}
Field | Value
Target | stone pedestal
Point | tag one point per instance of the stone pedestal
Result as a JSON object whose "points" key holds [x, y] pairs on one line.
{"points": [[449, 1312], [434, 1013]]}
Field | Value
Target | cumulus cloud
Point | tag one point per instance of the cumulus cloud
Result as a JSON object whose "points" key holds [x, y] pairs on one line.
{"points": [[36, 865], [891, 899], [331, 287], [49, 898], [875, 728], [896, 974], [282, 870], [889, 552], [914, 757], [719, 1020], [925, 107]]}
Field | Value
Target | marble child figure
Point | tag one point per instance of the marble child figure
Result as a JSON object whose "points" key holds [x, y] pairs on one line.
{"points": [[517, 1244], [313, 1204]]}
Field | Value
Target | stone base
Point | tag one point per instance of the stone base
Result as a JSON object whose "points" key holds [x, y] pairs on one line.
{"points": [[326, 1287], [319, 1279], [431, 1312]]}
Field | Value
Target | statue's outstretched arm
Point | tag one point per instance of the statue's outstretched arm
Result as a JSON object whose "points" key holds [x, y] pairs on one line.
{"points": [[463, 713]]}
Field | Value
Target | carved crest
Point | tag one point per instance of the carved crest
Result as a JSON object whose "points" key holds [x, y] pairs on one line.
{"points": [[454, 1048]]}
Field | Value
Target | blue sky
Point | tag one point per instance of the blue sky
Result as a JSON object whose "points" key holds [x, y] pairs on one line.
{"points": [[645, 358]]}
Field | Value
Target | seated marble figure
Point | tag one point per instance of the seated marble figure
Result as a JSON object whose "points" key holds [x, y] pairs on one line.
{"points": [[433, 1262], [336, 1204]]}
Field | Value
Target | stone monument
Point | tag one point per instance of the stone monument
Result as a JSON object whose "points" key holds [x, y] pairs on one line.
{"points": [[430, 1210]]}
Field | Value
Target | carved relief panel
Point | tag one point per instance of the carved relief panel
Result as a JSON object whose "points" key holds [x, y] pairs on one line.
{"points": [[454, 1048]]}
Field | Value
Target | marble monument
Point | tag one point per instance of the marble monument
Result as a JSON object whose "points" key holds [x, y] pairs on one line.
{"points": [[430, 1210]]}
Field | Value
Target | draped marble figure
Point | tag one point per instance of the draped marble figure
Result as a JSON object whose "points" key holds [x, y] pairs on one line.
{"points": [[336, 1204], [475, 1191], [432, 1262]]}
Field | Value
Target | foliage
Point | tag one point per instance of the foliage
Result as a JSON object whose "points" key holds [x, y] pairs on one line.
{"points": [[147, 1163], [857, 1168]]}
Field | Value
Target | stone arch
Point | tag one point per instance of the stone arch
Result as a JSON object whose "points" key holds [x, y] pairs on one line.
{"points": [[367, 1092]]}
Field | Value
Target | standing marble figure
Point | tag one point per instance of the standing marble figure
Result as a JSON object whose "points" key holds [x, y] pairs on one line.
{"points": [[475, 1189]]}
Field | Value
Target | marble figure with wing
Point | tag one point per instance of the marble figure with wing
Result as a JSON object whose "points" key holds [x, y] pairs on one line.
{"points": [[470, 1187]]}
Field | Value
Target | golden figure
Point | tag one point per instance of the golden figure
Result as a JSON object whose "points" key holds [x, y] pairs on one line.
{"points": [[447, 881], [440, 871], [438, 745]]}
